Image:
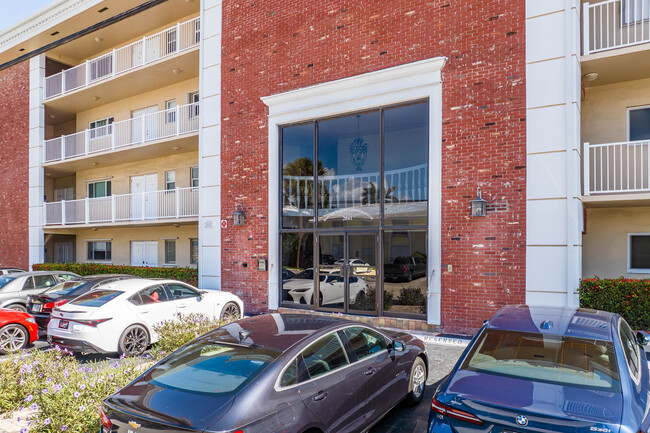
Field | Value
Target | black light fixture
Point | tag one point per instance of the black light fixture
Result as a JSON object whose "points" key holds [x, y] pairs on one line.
{"points": [[239, 217], [479, 206]]}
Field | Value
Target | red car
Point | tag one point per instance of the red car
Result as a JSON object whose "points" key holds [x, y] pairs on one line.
{"points": [[17, 330]]}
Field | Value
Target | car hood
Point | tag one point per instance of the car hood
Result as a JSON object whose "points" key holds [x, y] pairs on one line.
{"points": [[499, 400], [156, 405]]}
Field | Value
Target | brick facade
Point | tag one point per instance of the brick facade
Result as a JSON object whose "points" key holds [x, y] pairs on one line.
{"points": [[274, 47], [14, 163]]}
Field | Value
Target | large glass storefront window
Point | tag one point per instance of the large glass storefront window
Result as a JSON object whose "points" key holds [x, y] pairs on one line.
{"points": [[354, 210]]}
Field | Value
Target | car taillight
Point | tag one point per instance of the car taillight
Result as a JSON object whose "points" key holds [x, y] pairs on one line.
{"points": [[105, 421], [92, 323], [51, 305], [404, 268], [449, 411]]}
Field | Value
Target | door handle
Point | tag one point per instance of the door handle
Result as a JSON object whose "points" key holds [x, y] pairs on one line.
{"points": [[144, 311], [182, 306], [369, 372], [320, 396]]}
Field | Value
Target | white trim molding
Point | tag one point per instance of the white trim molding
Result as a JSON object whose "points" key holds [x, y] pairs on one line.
{"points": [[404, 83]]}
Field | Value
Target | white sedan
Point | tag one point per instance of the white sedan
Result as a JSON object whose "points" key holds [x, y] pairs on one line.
{"points": [[119, 317]]}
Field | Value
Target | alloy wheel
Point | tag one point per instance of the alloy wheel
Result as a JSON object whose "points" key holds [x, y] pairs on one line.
{"points": [[418, 381], [230, 312], [12, 338], [135, 341]]}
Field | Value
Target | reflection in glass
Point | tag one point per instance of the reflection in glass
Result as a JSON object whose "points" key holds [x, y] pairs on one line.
{"points": [[363, 272], [297, 268], [405, 272], [406, 168], [298, 176], [332, 268], [349, 149]]}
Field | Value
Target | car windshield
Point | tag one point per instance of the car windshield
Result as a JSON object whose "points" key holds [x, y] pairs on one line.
{"points": [[96, 298], [4, 280], [210, 367], [65, 288], [562, 360]]}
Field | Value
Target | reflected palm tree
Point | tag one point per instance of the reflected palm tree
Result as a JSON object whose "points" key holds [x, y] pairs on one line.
{"points": [[295, 189], [370, 194]]}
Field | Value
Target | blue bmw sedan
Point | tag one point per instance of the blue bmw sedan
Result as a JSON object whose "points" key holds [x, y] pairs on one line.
{"points": [[544, 369]]}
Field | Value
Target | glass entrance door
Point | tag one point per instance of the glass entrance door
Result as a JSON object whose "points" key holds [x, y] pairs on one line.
{"points": [[347, 272]]}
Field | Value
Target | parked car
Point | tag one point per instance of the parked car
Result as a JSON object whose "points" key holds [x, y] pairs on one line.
{"points": [[287, 274], [272, 373], [405, 268], [15, 288], [533, 369], [119, 316], [40, 306], [17, 330], [301, 290], [9, 271]]}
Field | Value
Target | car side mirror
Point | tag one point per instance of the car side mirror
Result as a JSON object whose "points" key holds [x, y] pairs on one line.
{"points": [[642, 338], [398, 346], [203, 293]]}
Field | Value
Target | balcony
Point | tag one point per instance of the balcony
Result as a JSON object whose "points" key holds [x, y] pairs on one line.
{"points": [[162, 125], [125, 209], [615, 24], [150, 49]]}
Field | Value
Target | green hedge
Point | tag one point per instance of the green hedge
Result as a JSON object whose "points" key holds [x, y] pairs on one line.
{"points": [[188, 275], [628, 297]]}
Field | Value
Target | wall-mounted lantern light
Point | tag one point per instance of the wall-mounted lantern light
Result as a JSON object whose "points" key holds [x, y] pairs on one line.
{"points": [[479, 206], [239, 217]]}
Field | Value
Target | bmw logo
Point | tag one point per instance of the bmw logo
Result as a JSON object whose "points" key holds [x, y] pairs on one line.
{"points": [[522, 420]]}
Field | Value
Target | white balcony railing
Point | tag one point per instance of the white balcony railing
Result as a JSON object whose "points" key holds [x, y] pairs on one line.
{"points": [[616, 167], [167, 43], [176, 121], [140, 206], [615, 24]]}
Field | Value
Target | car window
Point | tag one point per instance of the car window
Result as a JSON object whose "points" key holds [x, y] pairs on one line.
{"points": [[558, 359], [153, 295], [96, 298], [29, 284], [44, 281], [180, 291], [66, 277], [15, 271], [630, 349], [325, 355], [290, 375], [65, 287], [4, 280], [364, 341]]}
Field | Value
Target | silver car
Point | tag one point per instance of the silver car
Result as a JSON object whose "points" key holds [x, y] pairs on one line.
{"points": [[7, 271], [15, 288]]}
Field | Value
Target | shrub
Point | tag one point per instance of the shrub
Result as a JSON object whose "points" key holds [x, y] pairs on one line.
{"points": [[175, 333], [628, 297], [412, 296], [188, 275], [367, 301]]}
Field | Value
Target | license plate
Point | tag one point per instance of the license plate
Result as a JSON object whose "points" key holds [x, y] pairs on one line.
{"points": [[36, 307], [63, 324]]}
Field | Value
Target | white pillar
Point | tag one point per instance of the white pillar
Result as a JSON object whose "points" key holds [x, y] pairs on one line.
{"points": [[210, 146], [36, 174]]}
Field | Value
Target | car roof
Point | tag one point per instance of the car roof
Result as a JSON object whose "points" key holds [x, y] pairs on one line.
{"points": [[280, 331], [568, 321], [44, 273], [132, 285], [101, 277]]}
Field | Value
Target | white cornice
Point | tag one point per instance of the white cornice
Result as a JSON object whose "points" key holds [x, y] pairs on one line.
{"points": [[42, 20]]}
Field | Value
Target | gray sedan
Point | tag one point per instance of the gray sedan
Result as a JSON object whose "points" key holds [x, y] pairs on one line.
{"points": [[15, 288]]}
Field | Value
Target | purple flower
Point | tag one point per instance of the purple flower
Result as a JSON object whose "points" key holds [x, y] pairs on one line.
{"points": [[82, 386], [18, 419], [64, 427], [34, 406], [76, 394], [46, 421], [82, 408], [29, 397], [23, 430], [44, 391]]}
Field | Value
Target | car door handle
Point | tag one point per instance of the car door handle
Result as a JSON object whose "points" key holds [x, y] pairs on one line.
{"points": [[182, 306], [320, 396], [369, 372], [144, 311]]}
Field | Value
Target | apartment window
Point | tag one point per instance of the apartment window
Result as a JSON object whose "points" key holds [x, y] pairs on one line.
{"points": [[99, 250], [171, 41], [194, 177], [170, 180], [101, 127], [170, 251], [193, 98], [100, 188], [197, 31], [639, 123], [194, 251], [639, 252], [171, 112], [635, 11]]}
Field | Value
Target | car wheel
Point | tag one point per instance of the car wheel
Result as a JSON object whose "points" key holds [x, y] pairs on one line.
{"points": [[134, 341], [417, 381], [17, 307], [13, 337], [230, 312], [410, 276]]}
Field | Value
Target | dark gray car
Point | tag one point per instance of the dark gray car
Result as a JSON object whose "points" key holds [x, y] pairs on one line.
{"points": [[15, 288], [274, 373]]}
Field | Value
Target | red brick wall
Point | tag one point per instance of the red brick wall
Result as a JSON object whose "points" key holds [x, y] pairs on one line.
{"points": [[276, 46], [14, 162]]}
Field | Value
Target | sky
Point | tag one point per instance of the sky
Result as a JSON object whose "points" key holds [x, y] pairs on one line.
{"points": [[14, 11]]}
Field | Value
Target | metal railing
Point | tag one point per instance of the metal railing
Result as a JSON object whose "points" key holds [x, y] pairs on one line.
{"points": [[140, 206], [167, 43], [614, 24], [616, 167], [176, 121], [342, 191]]}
